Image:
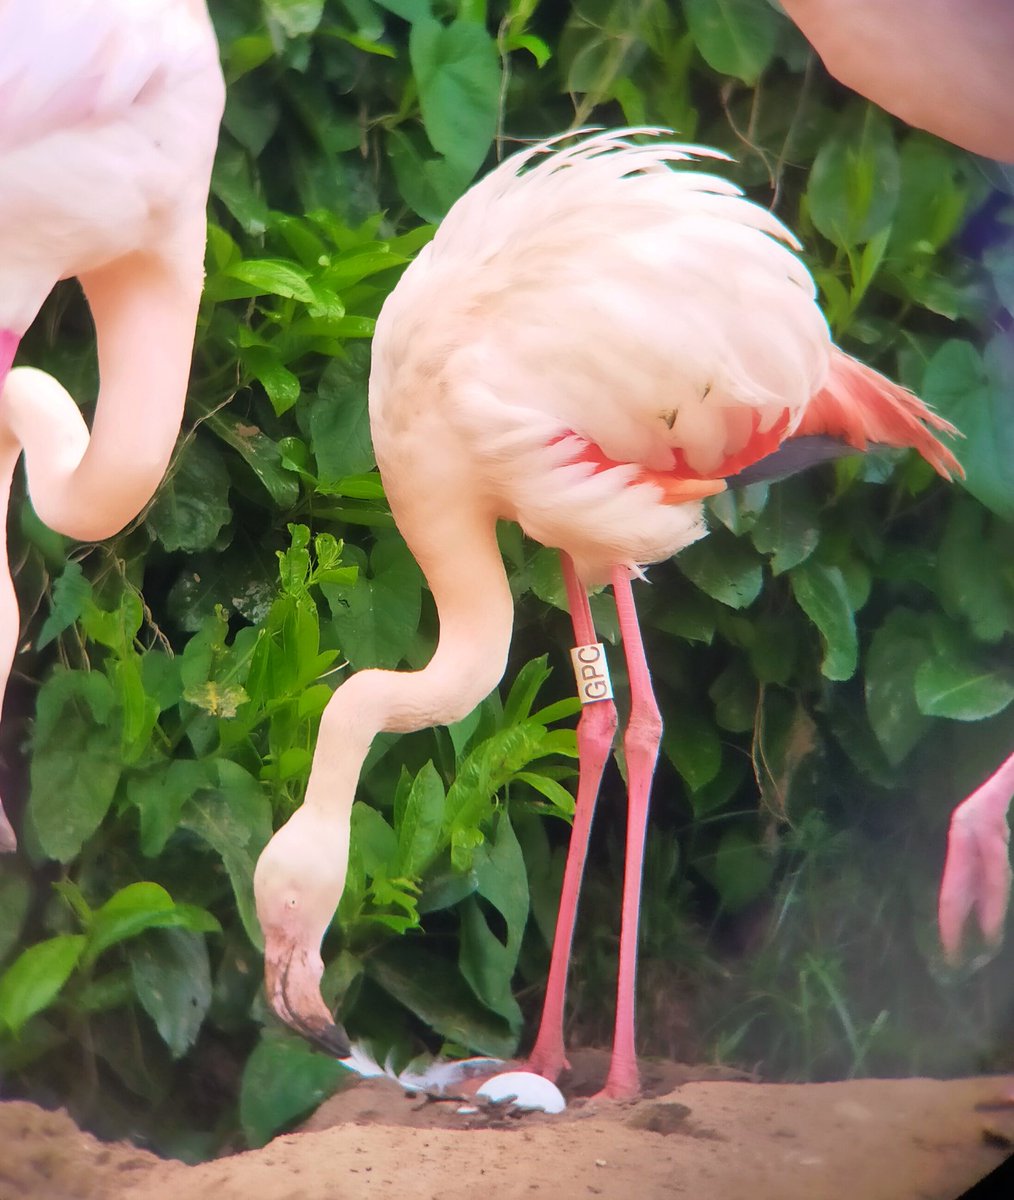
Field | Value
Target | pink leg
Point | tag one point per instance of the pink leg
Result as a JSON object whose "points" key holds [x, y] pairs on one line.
{"points": [[977, 873], [640, 744], [595, 732]]}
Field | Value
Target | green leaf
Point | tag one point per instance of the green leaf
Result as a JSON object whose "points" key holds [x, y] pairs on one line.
{"points": [[487, 962], [192, 505], [336, 420], [788, 529], [724, 567], [545, 578], [141, 906], [160, 797], [821, 593], [775, 648], [429, 987], [739, 508], [457, 72], [420, 823], [281, 385], [967, 581], [554, 792], [377, 619], [272, 277], [955, 685], [34, 980], [430, 185], [297, 18], [526, 686], [171, 976], [855, 181], [973, 392], [235, 820], [260, 453], [742, 870], [734, 694], [233, 183], [932, 197], [736, 37], [76, 761], [71, 594], [408, 10], [375, 841], [284, 1078], [486, 769], [898, 649], [692, 745], [15, 898]]}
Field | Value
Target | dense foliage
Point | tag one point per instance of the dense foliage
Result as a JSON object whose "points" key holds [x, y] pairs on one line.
{"points": [[834, 662]]}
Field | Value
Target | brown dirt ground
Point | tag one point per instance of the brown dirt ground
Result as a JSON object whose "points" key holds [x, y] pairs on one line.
{"points": [[697, 1133]]}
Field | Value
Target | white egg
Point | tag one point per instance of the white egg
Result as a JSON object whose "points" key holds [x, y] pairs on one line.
{"points": [[528, 1091]]}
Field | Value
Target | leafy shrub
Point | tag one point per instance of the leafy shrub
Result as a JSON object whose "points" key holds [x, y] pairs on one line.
{"points": [[833, 662]]}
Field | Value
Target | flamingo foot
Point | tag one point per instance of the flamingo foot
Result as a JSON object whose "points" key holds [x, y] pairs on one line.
{"points": [[623, 1081], [547, 1059], [977, 873]]}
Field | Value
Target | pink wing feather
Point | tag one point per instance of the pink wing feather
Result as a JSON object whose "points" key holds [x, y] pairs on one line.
{"points": [[861, 406]]}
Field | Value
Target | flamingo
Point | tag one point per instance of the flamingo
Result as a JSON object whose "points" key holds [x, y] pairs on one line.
{"points": [[110, 121], [592, 343], [941, 65], [968, 43], [890, 51], [977, 873]]}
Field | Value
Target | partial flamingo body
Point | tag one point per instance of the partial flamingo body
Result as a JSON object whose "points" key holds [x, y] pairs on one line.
{"points": [[110, 121], [592, 343], [940, 65], [977, 873]]}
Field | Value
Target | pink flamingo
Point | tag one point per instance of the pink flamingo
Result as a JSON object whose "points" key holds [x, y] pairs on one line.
{"points": [[591, 344], [977, 872], [110, 120], [940, 65]]}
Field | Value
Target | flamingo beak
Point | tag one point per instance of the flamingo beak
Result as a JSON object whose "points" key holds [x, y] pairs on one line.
{"points": [[292, 982]]}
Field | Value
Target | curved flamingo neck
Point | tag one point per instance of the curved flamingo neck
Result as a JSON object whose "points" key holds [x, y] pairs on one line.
{"points": [[458, 553]]}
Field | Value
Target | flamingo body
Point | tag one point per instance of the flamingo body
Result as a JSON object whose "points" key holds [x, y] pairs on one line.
{"points": [[110, 113], [608, 324], [110, 121], [592, 342]]}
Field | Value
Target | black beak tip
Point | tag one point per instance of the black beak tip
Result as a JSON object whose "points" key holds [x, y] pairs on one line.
{"points": [[333, 1040]]}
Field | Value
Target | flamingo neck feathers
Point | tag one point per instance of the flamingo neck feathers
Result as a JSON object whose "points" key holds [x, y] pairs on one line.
{"points": [[458, 553]]}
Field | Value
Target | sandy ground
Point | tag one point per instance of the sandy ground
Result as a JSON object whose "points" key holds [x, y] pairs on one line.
{"points": [[717, 1139]]}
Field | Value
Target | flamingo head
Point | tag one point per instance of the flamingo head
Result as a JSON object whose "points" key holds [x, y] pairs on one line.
{"points": [[298, 882]]}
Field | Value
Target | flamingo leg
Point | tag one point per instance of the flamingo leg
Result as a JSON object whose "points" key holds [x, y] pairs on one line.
{"points": [[977, 873], [595, 731], [640, 743]]}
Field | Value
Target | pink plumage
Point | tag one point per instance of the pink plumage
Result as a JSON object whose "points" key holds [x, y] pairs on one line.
{"points": [[110, 121], [590, 344]]}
